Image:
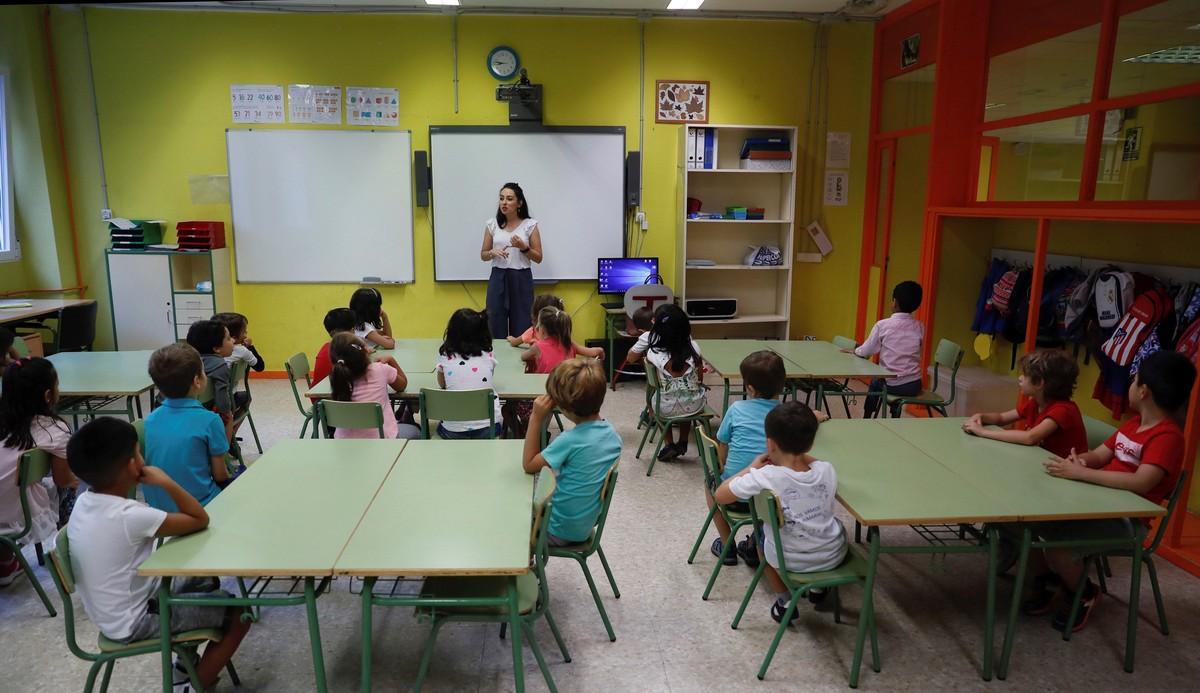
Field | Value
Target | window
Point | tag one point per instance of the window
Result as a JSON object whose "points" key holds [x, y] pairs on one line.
{"points": [[9, 248]]}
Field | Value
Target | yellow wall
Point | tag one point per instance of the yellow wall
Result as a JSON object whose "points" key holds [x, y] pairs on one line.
{"points": [[162, 85]]}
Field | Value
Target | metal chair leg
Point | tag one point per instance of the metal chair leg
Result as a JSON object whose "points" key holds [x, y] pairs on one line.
{"points": [[537, 654], [108, 669], [612, 582], [1158, 600], [562, 646]]}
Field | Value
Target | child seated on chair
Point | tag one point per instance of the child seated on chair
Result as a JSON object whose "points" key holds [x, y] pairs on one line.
{"points": [[540, 301], [111, 534], [356, 378], [1145, 456], [553, 345], [669, 347], [742, 438], [897, 339], [1051, 419], [579, 457], [184, 439], [465, 362], [337, 321], [243, 350], [640, 323], [212, 341], [813, 538]]}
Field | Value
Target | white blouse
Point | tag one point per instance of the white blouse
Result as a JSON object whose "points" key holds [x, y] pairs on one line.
{"points": [[502, 238]]}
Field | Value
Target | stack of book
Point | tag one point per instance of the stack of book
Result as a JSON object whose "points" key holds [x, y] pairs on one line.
{"points": [[134, 234], [200, 235], [766, 154]]}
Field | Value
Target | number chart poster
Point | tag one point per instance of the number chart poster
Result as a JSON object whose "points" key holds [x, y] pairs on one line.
{"points": [[256, 103], [314, 104], [372, 106]]}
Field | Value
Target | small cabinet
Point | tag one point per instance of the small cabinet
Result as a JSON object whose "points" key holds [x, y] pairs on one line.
{"points": [[157, 295]]}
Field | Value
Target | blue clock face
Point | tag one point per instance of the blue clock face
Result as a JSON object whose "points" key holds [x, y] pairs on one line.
{"points": [[503, 62]]}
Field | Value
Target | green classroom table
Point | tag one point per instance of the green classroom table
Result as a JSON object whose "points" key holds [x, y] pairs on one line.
{"points": [[418, 355], [410, 531], [509, 385], [290, 514], [927, 471], [115, 374]]}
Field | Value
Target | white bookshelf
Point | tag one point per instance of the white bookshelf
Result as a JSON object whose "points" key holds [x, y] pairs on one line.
{"points": [[763, 293]]}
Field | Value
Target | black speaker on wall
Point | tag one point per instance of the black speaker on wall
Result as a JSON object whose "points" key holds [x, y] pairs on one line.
{"points": [[633, 179], [421, 177]]}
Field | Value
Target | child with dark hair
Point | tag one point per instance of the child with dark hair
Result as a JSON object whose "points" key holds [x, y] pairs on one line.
{"points": [[184, 439], [356, 378], [7, 352], [579, 457], [897, 339], [813, 538], [337, 320], [1051, 419], [371, 324], [643, 320], [112, 534], [669, 347], [540, 301], [465, 362], [742, 437], [27, 421], [212, 341], [243, 346], [1145, 456]]}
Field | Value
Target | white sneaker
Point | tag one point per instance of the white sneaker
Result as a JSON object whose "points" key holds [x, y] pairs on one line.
{"points": [[10, 572]]}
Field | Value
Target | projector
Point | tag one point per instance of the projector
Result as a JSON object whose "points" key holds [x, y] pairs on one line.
{"points": [[710, 308]]}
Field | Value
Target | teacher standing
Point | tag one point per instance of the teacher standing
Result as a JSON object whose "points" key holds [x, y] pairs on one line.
{"points": [[512, 242]]}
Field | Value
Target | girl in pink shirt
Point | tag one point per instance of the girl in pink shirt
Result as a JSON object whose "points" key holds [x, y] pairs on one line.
{"points": [[355, 378], [539, 302], [552, 346]]}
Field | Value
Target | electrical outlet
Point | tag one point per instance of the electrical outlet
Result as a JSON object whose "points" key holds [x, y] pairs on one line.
{"points": [[641, 219], [105, 214]]}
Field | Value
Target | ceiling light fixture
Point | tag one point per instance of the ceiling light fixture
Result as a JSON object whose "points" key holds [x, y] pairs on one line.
{"points": [[1175, 55], [442, 3], [685, 4]]}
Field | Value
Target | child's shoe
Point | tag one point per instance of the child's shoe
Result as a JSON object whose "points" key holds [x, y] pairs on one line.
{"points": [[779, 608], [816, 596], [748, 552], [1091, 595], [717, 547], [1045, 589], [668, 452], [11, 571]]}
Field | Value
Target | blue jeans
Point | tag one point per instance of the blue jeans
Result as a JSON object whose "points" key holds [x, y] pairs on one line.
{"points": [[473, 434]]}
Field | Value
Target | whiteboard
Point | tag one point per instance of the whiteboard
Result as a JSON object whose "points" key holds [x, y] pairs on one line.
{"points": [[574, 183], [321, 206]]}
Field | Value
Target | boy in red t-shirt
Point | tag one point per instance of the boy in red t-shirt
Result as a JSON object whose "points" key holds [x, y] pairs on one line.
{"points": [[336, 320], [1050, 418], [1145, 456]]}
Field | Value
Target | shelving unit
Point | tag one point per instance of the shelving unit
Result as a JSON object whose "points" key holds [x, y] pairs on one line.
{"points": [[154, 295], [763, 293]]}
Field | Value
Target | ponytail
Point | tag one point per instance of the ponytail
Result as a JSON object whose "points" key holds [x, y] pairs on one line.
{"points": [[557, 325], [350, 361]]}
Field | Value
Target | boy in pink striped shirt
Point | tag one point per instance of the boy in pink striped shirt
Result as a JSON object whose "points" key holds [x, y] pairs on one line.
{"points": [[897, 339]]}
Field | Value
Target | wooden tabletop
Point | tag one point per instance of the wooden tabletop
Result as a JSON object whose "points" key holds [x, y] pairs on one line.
{"points": [[449, 507], [291, 513], [100, 373], [14, 309]]}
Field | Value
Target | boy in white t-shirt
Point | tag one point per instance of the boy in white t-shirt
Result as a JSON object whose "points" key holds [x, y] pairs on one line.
{"points": [[111, 535], [813, 538]]}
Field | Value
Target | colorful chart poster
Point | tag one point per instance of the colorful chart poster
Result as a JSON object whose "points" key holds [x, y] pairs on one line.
{"points": [[256, 103], [308, 103], [372, 106]]}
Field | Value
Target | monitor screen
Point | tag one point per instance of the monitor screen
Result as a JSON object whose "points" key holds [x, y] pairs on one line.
{"points": [[617, 274]]}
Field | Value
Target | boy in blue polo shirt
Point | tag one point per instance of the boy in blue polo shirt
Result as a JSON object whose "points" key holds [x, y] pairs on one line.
{"points": [[580, 457], [184, 439], [742, 437]]}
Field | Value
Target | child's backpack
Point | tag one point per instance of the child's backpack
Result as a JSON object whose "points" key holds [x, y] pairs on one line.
{"points": [[681, 395], [1114, 295], [1148, 310], [1189, 341], [1018, 308], [1187, 309], [987, 318], [1002, 292], [1056, 291], [1081, 308]]}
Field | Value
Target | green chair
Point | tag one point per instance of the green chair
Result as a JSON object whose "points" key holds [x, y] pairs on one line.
{"points": [[335, 414], [1097, 432], [205, 397], [183, 644], [21, 347], [660, 424], [711, 462], [581, 551], [33, 465], [842, 390], [767, 509], [456, 405], [297, 367], [948, 355], [483, 600], [239, 372]]}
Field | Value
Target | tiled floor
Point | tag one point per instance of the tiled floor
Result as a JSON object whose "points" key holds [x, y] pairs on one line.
{"points": [[930, 617]]}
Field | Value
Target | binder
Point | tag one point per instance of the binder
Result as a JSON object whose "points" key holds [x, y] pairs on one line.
{"points": [[691, 147], [701, 147], [715, 137], [709, 161]]}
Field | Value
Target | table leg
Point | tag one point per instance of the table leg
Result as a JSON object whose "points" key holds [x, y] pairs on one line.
{"points": [[514, 627], [989, 632], [609, 328], [164, 632], [137, 403], [1135, 586], [1014, 608], [867, 604], [367, 590], [725, 399], [314, 633]]}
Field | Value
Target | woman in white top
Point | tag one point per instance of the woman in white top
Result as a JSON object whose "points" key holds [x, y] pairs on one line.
{"points": [[511, 242]]}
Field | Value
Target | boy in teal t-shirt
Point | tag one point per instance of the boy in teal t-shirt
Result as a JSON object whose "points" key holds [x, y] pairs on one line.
{"points": [[580, 457], [742, 437]]}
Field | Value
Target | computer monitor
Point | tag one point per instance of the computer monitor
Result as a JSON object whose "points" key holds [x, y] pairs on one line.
{"points": [[616, 274]]}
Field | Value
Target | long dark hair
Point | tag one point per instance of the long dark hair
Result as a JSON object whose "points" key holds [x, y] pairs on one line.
{"points": [[26, 382], [556, 324], [672, 333], [522, 208], [366, 304], [350, 361], [467, 334]]}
